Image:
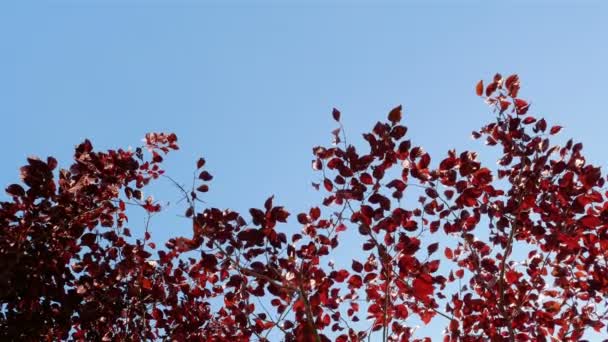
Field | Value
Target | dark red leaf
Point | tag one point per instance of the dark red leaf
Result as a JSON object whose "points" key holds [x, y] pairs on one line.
{"points": [[336, 114], [521, 106], [479, 88], [205, 176], [328, 185], [395, 115], [317, 165], [156, 158], [432, 248], [15, 190], [366, 178], [52, 163], [528, 120]]}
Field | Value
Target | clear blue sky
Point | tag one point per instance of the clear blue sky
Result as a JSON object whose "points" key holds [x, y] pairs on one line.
{"points": [[251, 86]]}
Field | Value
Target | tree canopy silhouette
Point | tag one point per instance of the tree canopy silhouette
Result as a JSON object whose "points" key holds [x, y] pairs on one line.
{"points": [[73, 269]]}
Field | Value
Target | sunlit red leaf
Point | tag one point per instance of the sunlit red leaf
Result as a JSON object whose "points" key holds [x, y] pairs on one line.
{"points": [[555, 129], [423, 287], [521, 106], [479, 88], [448, 253]]}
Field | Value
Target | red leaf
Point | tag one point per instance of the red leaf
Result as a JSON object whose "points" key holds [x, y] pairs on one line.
{"points": [[189, 212], [314, 213], [398, 132], [541, 125], [15, 190], [317, 165], [366, 178], [504, 105], [156, 158], [555, 129], [401, 311], [454, 326], [432, 248], [357, 266], [479, 88], [528, 120], [200, 163], [551, 306], [491, 88], [336, 114], [434, 226], [355, 281], [423, 286], [448, 253], [590, 221], [172, 138], [340, 275], [433, 266], [512, 276], [52, 163], [157, 314], [426, 317], [432, 193], [268, 203], [521, 106], [328, 185], [395, 115], [205, 176]]}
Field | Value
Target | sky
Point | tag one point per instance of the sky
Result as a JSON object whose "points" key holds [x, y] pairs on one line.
{"points": [[251, 85]]}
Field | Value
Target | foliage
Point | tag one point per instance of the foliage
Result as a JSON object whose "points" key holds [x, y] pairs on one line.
{"points": [[71, 270]]}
